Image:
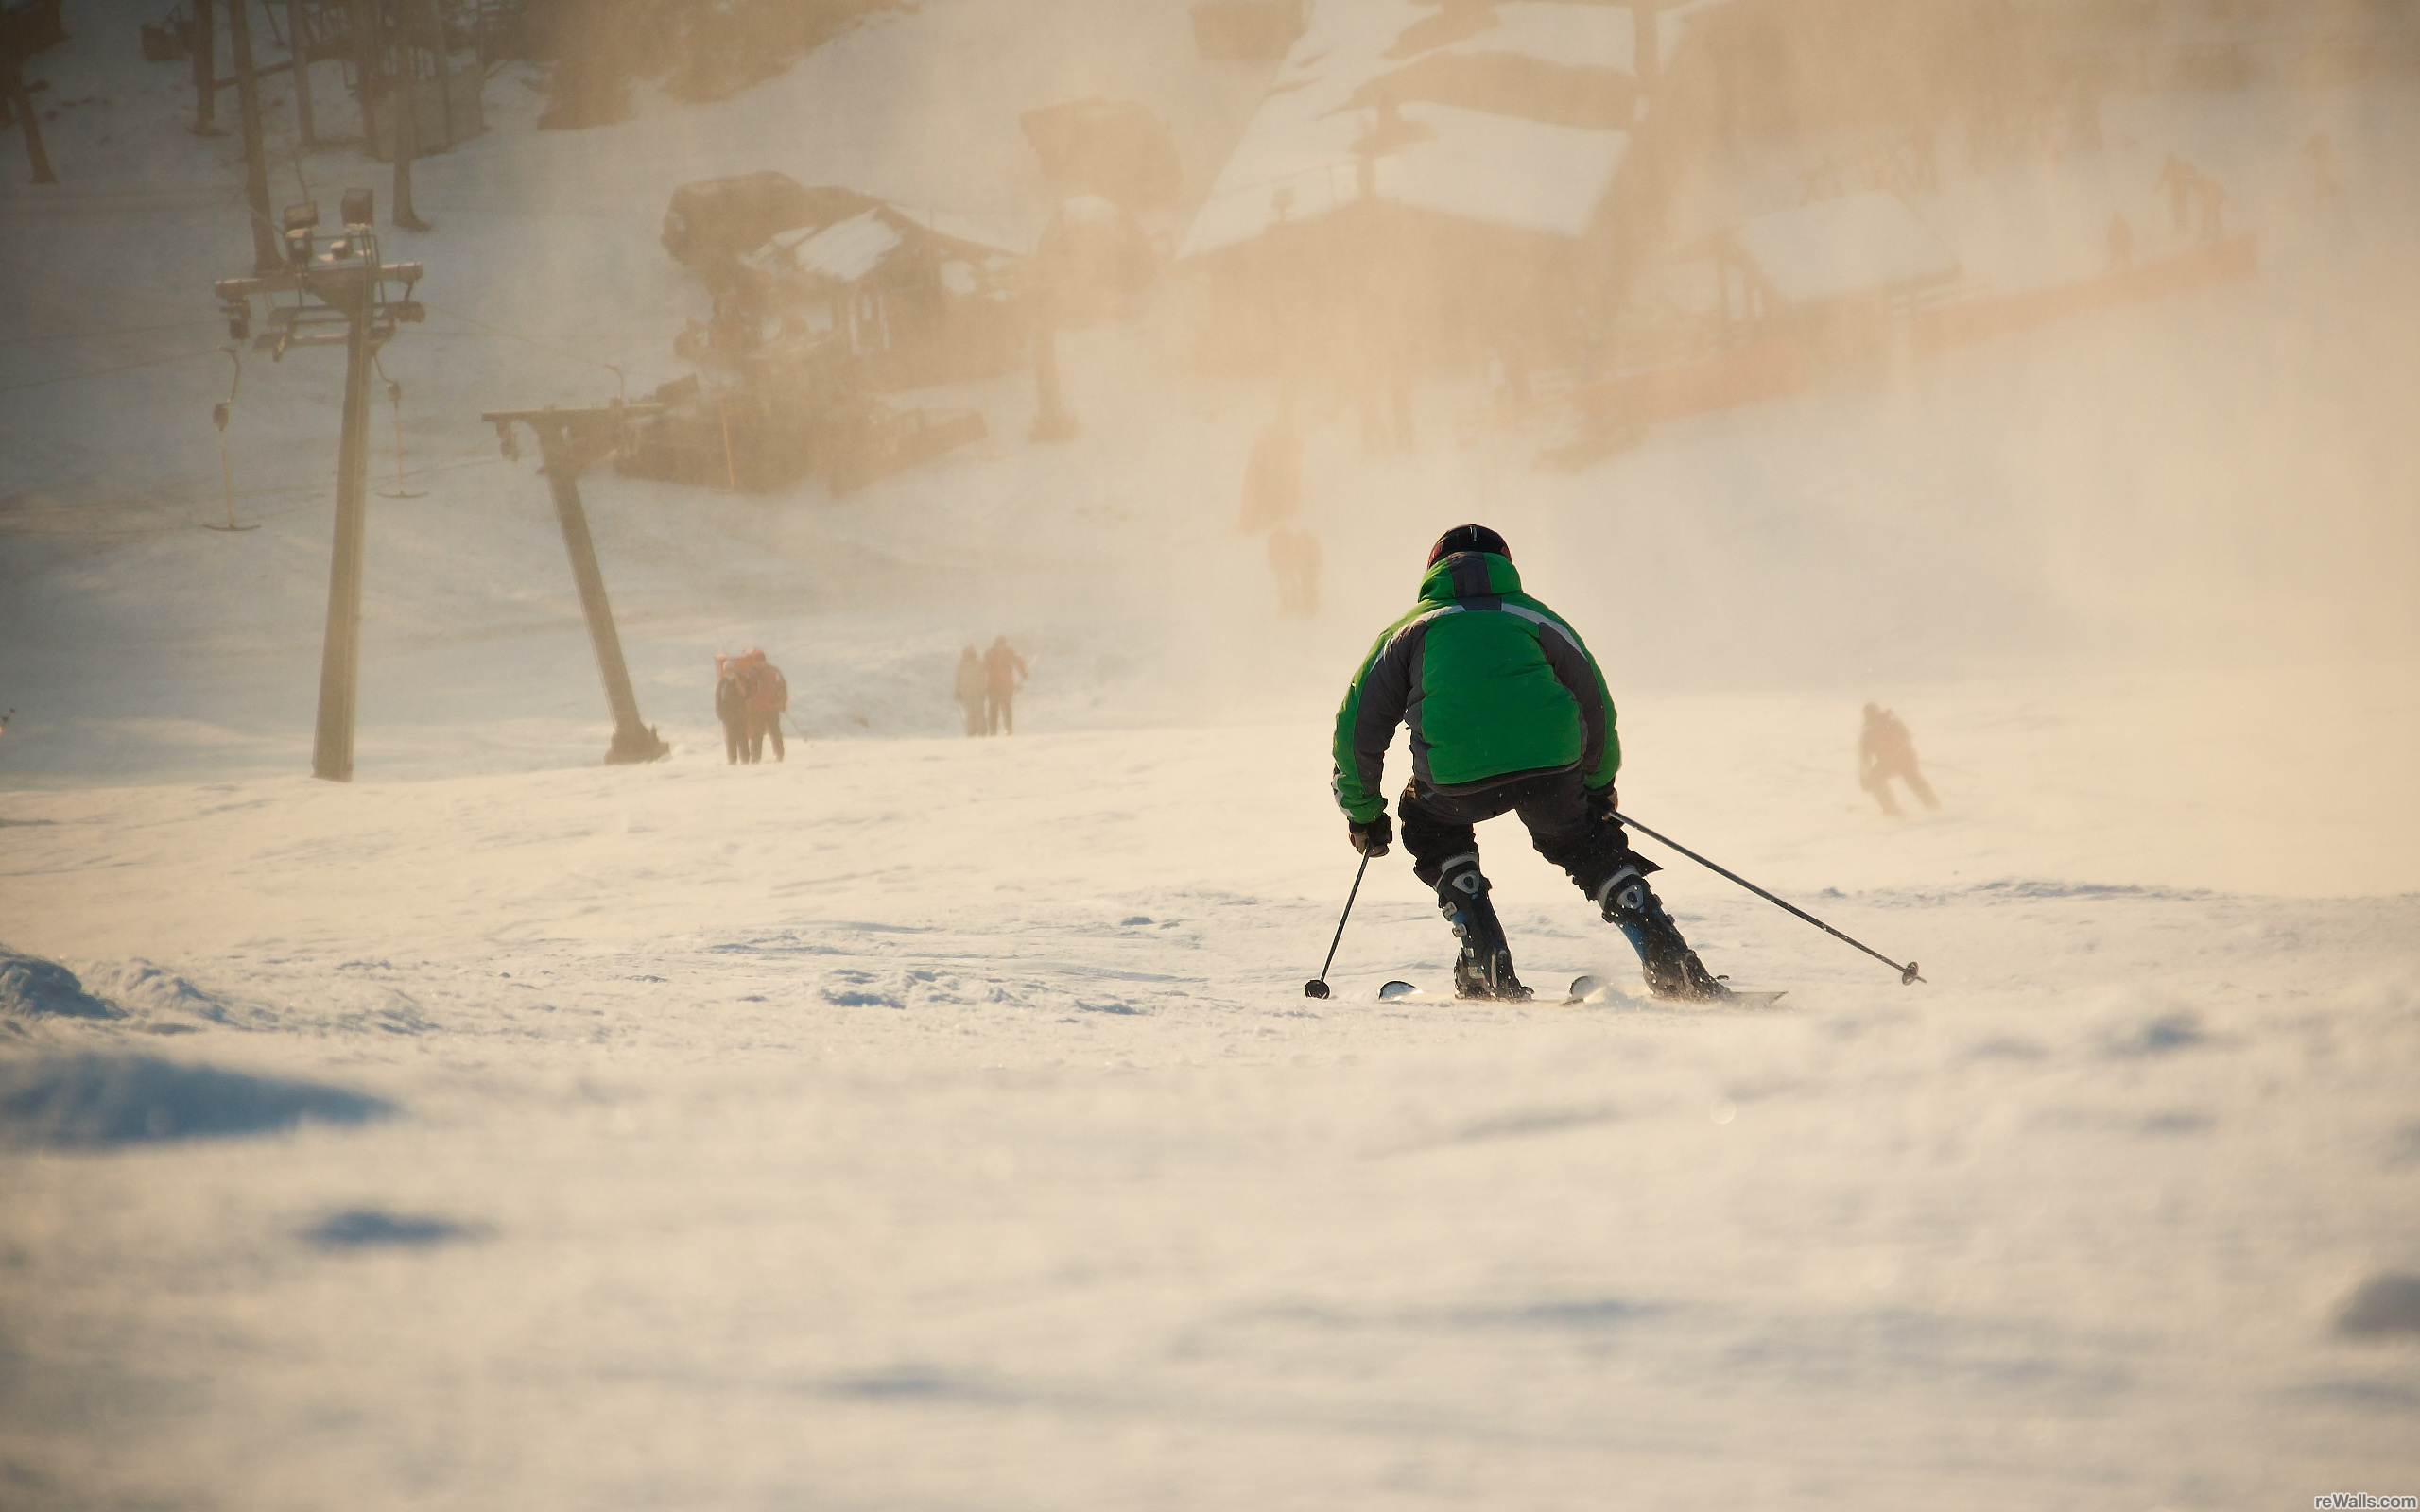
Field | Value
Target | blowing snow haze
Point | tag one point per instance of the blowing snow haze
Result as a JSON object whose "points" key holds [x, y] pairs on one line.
{"points": [[558, 1108]]}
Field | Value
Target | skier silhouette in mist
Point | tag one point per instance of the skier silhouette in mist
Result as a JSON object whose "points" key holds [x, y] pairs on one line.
{"points": [[1885, 750], [2178, 178], [1294, 560], [2322, 152], [1273, 474], [2212, 198], [730, 706], [769, 694], [970, 689], [1003, 669], [1508, 715]]}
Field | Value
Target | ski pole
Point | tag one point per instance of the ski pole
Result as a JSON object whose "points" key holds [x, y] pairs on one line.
{"points": [[1317, 986], [1907, 972]]}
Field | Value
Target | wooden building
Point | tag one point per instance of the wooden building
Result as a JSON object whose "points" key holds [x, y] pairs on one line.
{"points": [[1424, 184], [913, 297]]}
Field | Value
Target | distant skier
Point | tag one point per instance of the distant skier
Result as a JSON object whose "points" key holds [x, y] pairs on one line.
{"points": [[1885, 750], [1294, 560], [769, 694], [1508, 713], [2322, 152], [2121, 243], [2212, 197], [730, 706], [971, 689], [1274, 474], [1927, 175], [1517, 373], [1003, 669], [2178, 178]]}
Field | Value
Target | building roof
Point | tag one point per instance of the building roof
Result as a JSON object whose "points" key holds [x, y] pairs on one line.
{"points": [[1868, 243], [1470, 146], [848, 250], [1526, 175]]}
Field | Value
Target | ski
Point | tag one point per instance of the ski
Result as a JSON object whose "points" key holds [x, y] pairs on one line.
{"points": [[1586, 990], [1743, 999]]}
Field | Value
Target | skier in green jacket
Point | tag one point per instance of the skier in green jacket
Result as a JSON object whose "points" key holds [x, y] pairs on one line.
{"points": [[1508, 713]]}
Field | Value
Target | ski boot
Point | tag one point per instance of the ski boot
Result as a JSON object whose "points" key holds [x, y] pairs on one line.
{"points": [[1484, 967], [1673, 970]]}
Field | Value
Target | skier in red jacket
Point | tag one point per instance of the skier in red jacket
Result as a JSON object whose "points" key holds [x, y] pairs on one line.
{"points": [[768, 694], [1003, 669]]}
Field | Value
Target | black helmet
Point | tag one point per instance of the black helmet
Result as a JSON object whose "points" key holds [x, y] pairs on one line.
{"points": [[1468, 537]]}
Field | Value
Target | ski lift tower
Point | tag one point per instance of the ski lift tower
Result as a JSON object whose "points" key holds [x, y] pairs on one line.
{"points": [[340, 298]]}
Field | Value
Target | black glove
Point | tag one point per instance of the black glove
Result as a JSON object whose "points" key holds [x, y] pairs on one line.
{"points": [[1373, 838], [1601, 804]]}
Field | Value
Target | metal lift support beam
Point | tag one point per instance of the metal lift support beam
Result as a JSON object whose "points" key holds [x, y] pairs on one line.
{"points": [[560, 433]]}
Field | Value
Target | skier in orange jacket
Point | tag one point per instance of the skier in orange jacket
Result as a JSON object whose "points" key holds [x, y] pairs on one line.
{"points": [[1885, 750]]}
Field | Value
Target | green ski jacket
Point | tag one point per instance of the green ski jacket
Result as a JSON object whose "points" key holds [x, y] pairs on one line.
{"points": [[1493, 684]]}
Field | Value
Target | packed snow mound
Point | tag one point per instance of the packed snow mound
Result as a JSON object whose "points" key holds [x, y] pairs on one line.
{"points": [[31, 987], [140, 986], [2387, 1305], [97, 1101]]}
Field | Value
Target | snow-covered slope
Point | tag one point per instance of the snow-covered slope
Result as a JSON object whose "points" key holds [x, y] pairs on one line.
{"points": [[908, 1125], [935, 1123]]}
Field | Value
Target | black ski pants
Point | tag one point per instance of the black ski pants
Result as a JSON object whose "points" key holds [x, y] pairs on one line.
{"points": [[1553, 806]]}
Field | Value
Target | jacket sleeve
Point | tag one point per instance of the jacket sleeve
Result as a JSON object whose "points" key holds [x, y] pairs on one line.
{"points": [[1601, 755], [1365, 725]]}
